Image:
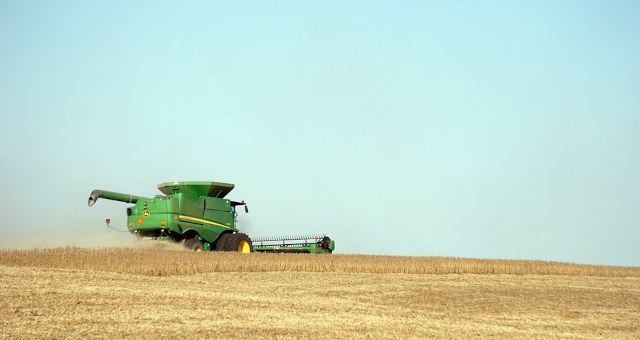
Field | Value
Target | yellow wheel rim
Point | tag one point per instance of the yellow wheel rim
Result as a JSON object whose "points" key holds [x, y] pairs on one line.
{"points": [[244, 247]]}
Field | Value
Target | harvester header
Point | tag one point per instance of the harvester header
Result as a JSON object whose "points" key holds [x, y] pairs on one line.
{"points": [[314, 244]]}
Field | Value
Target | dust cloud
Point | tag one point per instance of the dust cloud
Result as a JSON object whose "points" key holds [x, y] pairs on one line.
{"points": [[244, 225], [26, 238]]}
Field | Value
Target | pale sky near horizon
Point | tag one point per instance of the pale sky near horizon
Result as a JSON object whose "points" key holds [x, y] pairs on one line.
{"points": [[491, 129]]}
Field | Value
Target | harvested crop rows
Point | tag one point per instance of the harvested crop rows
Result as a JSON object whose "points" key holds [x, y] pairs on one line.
{"points": [[168, 293]]}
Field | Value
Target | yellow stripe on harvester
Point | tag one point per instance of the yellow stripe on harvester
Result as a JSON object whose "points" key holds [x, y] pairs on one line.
{"points": [[188, 218]]}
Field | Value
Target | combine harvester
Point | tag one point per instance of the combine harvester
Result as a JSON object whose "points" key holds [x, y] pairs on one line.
{"points": [[198, 214]]}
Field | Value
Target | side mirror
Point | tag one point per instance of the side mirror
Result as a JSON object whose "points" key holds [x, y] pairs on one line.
{"points": [[246, 209]]}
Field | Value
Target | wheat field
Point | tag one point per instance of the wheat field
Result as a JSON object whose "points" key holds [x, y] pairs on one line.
{"points": [[165, 292]]}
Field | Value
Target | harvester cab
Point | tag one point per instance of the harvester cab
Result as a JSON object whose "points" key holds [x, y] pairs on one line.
{"points": [[198, 215]]}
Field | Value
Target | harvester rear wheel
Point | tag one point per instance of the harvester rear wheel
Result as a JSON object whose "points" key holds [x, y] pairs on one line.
{"points": [[194, 244], [241, 243], [223, 240], [326, 244]]}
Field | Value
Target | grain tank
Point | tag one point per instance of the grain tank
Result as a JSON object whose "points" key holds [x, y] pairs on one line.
{"points": [[196, 213]]}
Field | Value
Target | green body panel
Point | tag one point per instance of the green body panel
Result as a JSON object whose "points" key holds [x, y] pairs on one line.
{"points": [[219, 204], [190, 206]]}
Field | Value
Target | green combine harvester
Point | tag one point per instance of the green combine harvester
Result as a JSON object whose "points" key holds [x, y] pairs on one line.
{"points": [[197, 214]]}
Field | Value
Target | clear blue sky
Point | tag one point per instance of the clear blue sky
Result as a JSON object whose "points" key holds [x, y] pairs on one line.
{"points": [[487, 129]]}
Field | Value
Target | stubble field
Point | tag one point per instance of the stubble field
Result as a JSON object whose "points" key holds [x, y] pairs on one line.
{"points": [[163, 292]]}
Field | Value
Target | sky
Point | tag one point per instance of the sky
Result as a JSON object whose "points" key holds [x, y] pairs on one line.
{"points": [[482, 129]]}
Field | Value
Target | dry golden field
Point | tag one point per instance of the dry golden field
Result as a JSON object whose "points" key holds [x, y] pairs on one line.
{"points": [[165, 292]]}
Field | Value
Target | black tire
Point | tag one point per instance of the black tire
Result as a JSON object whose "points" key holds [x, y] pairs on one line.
{"points": [[194, 244], [240, 242], [326, 242], [222, 242]]}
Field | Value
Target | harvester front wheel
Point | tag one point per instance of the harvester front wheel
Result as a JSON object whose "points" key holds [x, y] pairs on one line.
{"points": [[194, 244], [241, 243], [223, 240]]}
